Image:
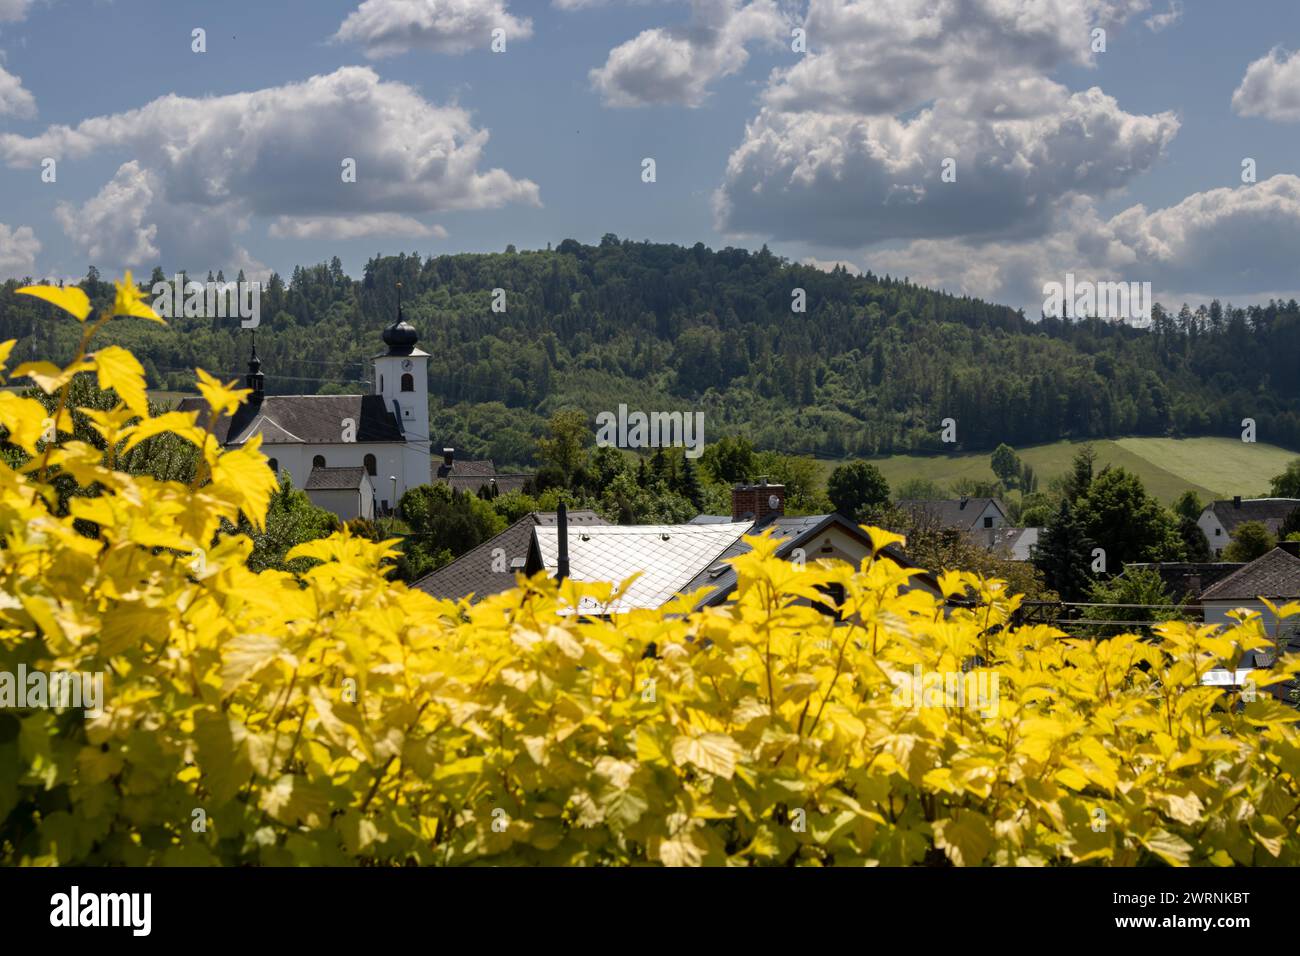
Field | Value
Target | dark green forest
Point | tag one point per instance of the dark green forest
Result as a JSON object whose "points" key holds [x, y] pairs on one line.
{"points": [[871, 367]]}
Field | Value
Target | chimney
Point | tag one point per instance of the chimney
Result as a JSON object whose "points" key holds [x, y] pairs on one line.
{"points": [[965, 499], [758, 503], [562, 533], [448, 454], [1236, 501]]}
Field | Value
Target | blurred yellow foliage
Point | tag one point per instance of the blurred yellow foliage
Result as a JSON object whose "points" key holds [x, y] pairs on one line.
{"points": [[339, 718]]}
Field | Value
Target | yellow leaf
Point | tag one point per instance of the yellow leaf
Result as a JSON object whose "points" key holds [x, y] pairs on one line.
{"points": [[5, 349], [129, 301], [26, 420], [49, 378], [966, 839], [881, 539], [119, 370], [222, 399], [69, 299], [242, 476], [178, 423], [716, 753], [1171, 848]]}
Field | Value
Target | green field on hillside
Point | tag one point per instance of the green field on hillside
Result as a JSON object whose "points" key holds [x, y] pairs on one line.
{"points": [[1212, 467]]}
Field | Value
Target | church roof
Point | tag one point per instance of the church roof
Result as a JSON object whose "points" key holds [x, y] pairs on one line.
{"points": [[336, 479], [303, 419]]}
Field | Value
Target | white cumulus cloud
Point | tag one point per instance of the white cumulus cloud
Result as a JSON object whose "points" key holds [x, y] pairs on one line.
{"points": [[18, 249], [353, 227], [203, 167], [12, 11], [111, 227], [677, 65], [857, 143], [1271, 88], [1221, 242], [15, 99], [390, 27]]}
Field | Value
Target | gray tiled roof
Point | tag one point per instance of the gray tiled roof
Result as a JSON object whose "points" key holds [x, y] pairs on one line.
{"points": [[472, 572], [299, 419], [467, 468], [1275, 576], [472, 484], [335, 479], [474, 474], [959, 513], [1270, 512]]}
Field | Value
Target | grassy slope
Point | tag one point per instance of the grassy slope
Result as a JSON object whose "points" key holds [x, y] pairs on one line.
{"points": [[1212, 467]]}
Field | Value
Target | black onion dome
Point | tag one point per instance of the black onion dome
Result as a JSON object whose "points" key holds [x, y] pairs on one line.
{"points": [[400, 337]]}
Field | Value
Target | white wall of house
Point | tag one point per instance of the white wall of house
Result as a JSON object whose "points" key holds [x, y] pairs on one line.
{"points": [[389, 460], [834, 543], [1215, 534], [347, 503], [1216, 612], [991, 517]]}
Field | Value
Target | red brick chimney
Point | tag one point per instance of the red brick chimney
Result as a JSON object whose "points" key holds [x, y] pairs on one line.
{"points": [[757, 502]]}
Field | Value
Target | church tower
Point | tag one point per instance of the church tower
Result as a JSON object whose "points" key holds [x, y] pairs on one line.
{"points": [[402, 379]]}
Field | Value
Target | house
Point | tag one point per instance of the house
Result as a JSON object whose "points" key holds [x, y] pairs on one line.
{"points": [[490, 567], [1275, 576], [681, 558], [1184, 581], [965, 514], [345, 491], [386, 433], [1019, 544], [474, 475], [1219, 519]]}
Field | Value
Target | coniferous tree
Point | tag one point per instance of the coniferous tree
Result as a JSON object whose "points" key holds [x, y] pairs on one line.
{"points": [[1064, 555]]}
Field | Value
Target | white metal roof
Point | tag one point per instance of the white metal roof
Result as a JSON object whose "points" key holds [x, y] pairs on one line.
{"points": [[668, 555]]}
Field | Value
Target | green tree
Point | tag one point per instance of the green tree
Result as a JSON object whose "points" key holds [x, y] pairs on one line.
{"points": [[1290, 525], [1005, 464], [1028, 479], [1287, 484], [1195, 547], [690, 485], [1130, 525], [1064, 554], [802, 478], [858, 489], [442, 520], [1251, 540], [1189, 505], [919, 489], [291, 519], [730, 459], [1135, 586], [564, 447], [1080, 476]]}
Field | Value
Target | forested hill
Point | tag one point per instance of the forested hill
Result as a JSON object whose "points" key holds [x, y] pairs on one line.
{"points": [[871, 367]]}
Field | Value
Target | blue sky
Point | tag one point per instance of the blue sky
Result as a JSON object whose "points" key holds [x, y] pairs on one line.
{"points": [[1122, 164]]}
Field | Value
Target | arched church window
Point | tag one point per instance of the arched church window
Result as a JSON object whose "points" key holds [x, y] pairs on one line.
{"points": [[275, 466], [371, 466], [408, 382], [318, 461]]}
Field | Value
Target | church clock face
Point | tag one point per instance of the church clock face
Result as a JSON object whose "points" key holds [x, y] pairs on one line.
{"points": [[406, 364]]}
